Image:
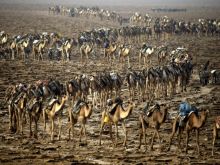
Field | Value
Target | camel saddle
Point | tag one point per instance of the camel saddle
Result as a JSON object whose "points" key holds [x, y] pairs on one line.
{"points": [[217, 122], [78, 105], [185, 110], [51, 103], [113, 105]]}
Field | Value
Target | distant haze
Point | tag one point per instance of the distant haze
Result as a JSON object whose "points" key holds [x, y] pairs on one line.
{"points": [[143, 3]]}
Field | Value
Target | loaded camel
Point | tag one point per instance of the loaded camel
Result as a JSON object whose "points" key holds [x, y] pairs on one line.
{"points": [[66, 49], [54, 109], [193, 121], [110, 51], [154, 117], [80, 112], [34, 111], [216, 128], [146, 52], [85, 50], [38, 48], [124, 52], [118, 113], [20, 109]]}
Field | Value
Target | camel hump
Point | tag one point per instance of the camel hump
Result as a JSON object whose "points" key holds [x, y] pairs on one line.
{"points": [[185, 109], [78, 105], [149, 111], [52, 102]]}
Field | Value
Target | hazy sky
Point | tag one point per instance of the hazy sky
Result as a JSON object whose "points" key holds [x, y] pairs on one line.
{"points": [[165, 3]]}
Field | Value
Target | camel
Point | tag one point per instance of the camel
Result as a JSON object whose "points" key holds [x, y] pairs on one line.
{"points": [[25, 47], [66, 49], [20, 109], [38, 48], [216, 128], [109, 52], [146, 52], [193, 121], [55, 109], [84, 112], [118, 113], [162, 55], [34, 111], [123, 53], [85, 50], [155, 117]]}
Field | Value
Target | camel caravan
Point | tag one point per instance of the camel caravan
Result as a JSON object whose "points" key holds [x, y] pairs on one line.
{"points": [[86, 12], [79, 98], [55, 101]]}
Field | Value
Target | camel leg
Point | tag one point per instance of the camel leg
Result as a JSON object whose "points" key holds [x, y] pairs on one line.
{"points": [[84, 128], [187, 140], [151, 146], [172, 134], [44, 118], [158, 135], [81, 130], [214, 138], [10, 117], [110, 130], [60, 127], [100, 133], [30, 121], [125, 132], [52, 129], [116, 131], [71, 123], [197, 140], [142, 133], [35, 130], [128, 61]]}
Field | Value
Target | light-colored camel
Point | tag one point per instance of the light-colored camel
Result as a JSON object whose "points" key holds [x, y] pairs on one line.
{"points": [[85, 50], [120, 114], [109, 52], [56, 110], [66, 49], [20, 110], [147, 55], [124, 53], [193, 122], [216, 127], [34, 111], [38, 49], [81, 116], [155, 118]]}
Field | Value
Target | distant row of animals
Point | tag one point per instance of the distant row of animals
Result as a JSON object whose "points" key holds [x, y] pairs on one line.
{"points": [[163, 24]]}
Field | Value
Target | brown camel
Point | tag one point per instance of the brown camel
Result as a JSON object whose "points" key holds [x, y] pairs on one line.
{"points": [[118, 113], [85, 50], [155, 118], [34, 111], [55, 109], [193, 122], [196, 123], [216, 128], [84, 112]]}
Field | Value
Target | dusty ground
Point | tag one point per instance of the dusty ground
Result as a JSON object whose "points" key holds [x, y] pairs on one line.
{"points": [[15, 149]]}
